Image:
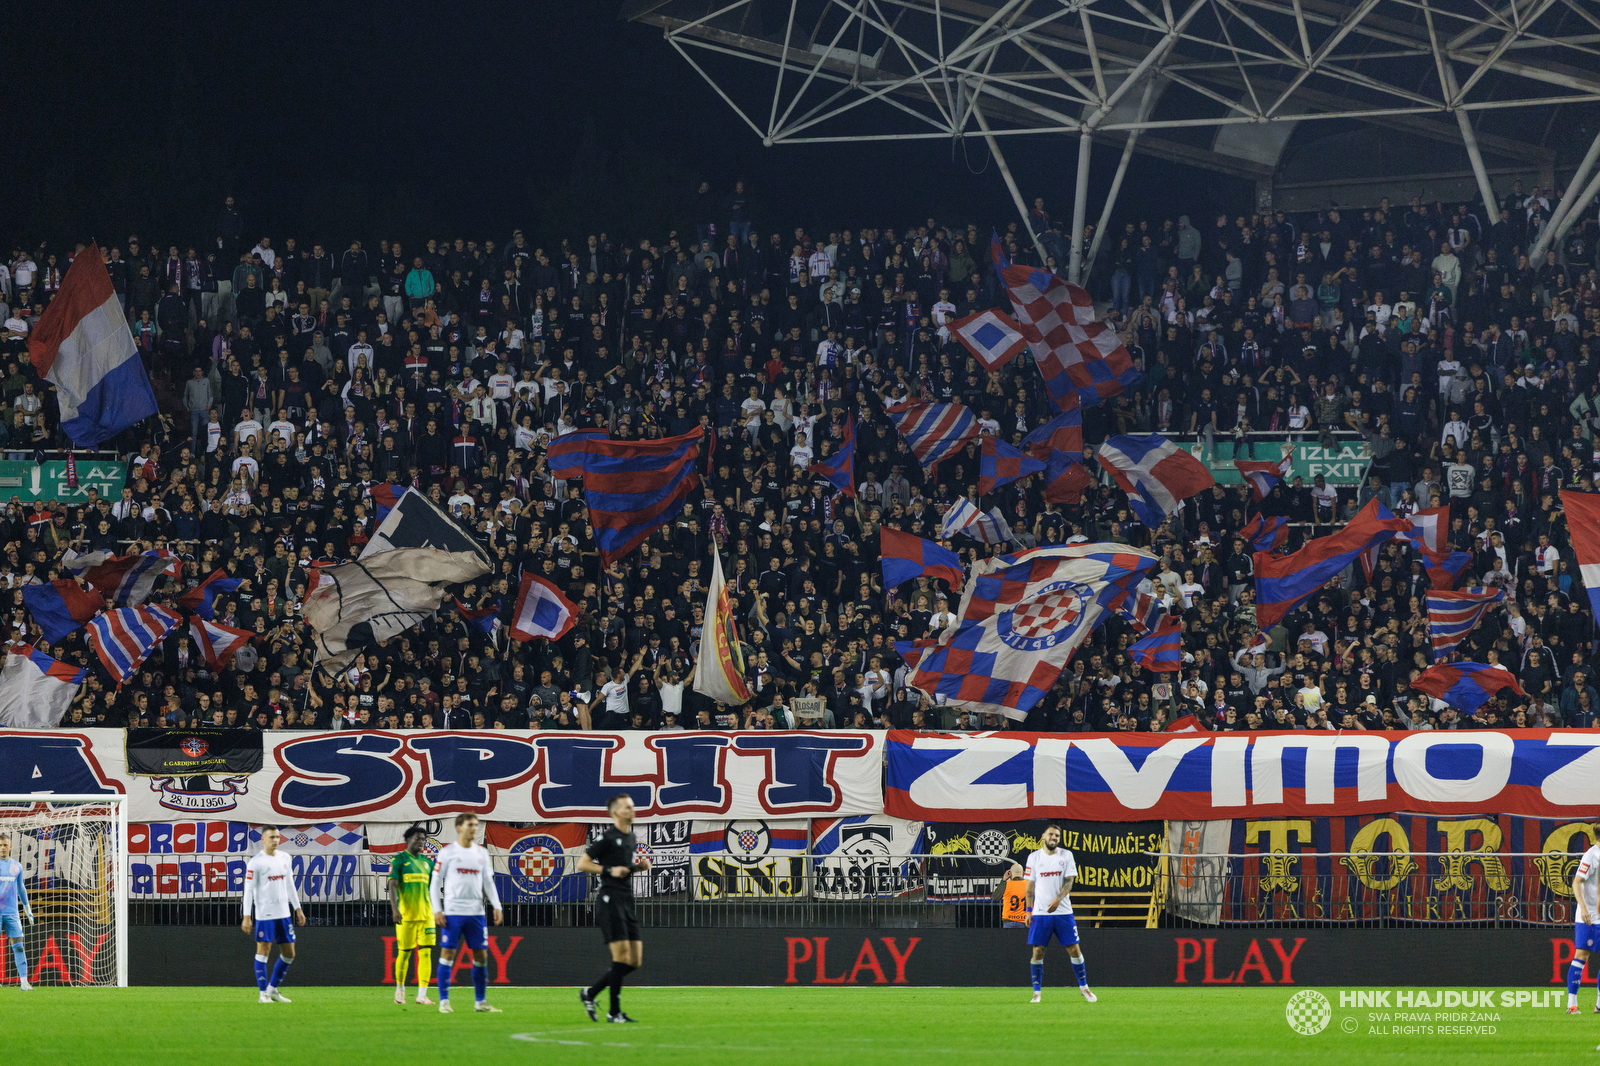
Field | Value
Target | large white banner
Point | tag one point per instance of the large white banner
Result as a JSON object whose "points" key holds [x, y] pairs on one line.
{"points": [[507, 776]]}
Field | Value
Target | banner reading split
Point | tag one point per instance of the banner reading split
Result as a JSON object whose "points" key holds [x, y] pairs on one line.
{"points": [[1203, 776]]}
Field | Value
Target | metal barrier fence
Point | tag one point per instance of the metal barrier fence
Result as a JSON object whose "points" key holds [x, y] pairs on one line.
{"points": [[1381, 890], [717, 891]]}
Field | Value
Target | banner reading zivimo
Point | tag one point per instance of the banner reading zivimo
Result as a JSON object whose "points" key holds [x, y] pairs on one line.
{"points": [[981, 777], [512, 776]]}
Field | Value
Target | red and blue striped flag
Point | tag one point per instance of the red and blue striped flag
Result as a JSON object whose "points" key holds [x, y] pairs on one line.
{"points": [[1265, 534], [840, 467], [124, 638], [1452, 615], [933, 430], [567, 454], [1000, 464], [905, 556], [1161, 650], [633, 488]]}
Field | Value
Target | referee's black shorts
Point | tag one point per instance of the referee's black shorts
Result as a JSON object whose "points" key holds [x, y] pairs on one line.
{"points": [[614, 914]]}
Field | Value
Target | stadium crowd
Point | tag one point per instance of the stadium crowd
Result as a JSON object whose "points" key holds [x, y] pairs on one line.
{"points": [[296, 374]]}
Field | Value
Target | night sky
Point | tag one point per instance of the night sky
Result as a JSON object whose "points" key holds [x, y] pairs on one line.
{"points": [[347, 120]]}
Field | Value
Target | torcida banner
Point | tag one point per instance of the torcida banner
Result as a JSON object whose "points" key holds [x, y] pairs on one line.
{"points": [[991, 777], [509, 776]]}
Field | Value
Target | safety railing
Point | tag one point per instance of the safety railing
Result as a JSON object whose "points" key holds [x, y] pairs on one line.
{"points": [[681, 891], [1465, 889]]}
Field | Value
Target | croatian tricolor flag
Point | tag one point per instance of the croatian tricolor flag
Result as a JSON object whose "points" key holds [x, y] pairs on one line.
{"points": [[1583, 526], [1156, 474], [542, 611], [993, 338], [36, 690], [217, 642], [83, 346], [124, 638], [1452, 615]]}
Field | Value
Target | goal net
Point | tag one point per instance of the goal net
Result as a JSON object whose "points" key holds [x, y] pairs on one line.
{"points": [[73, 856]]}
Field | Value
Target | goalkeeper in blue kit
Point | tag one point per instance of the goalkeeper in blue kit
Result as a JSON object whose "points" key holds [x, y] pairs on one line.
{"points": [[14, 895]]}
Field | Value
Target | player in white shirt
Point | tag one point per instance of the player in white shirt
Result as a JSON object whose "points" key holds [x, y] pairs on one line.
{"points": [[269, 898], [1050, 873], [463, 878], [1586, 926]]}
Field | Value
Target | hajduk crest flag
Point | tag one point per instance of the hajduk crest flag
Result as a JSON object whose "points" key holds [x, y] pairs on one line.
{"points": [[82, 345], [993, 338], [1021, 619], [36, 690], [1156, 474], [1081, 359], [541, 611], [719, 669]]}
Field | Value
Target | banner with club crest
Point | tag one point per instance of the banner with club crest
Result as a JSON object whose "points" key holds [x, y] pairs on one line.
{"points": [[749, 859]]}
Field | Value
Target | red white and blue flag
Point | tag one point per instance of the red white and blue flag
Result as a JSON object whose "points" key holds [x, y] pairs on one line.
{"points": [[384, 497], [1465, 686], [905, 556], [993, 338], [82, 345], [1265, 534], [964, 517], [61, 607], [1452, 615], [1262, 476], [1583, 526], [1446, 572], [1429, 532], [481, 619], [633, 488], [36, 690], [542, 611], [1082, 361], [124, 580], [124, 638], [1161, 650], [1022, 618], [217, 642], [201, 599], [933, 430], [840, 467], [1283, 582], [1141, 607], [1156, 474], [1000, 464]]}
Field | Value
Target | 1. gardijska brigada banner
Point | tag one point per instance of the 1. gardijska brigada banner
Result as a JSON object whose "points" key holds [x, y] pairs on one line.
{"points": [[991, 777]]}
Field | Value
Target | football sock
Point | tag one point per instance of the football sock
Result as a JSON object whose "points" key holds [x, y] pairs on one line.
{"points": [[480, 983], [402, 960], [619, 970], [1574, 979], [444, 979], [424, 966], [1036, 971], [261, 972], [280, 970], [1080, 970], [594, 990]]}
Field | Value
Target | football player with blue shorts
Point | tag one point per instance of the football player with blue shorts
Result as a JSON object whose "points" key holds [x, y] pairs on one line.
{"points": [[270, 897], [1049, 875], [462, 879], [1586, 929]]}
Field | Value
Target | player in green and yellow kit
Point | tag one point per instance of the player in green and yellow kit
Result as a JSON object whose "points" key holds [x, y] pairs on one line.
{"points": [[409, 876]]}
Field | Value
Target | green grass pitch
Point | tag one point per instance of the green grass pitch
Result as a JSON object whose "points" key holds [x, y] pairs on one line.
{"points": [[792, 1026]]}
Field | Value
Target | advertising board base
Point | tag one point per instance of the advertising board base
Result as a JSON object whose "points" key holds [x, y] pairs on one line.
{"points": [[1360, 958]]}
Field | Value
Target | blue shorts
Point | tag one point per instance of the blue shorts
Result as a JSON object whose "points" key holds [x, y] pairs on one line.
{"points": [[1586, 937], [11, 926], [275, 931], [464, 930], [1061, 926]]}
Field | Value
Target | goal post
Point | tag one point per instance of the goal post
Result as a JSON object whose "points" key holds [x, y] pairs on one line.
{"points": [[73, 850]]}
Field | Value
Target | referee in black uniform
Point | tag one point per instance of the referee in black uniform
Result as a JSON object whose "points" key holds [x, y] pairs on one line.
{"points": [[612, 857]]}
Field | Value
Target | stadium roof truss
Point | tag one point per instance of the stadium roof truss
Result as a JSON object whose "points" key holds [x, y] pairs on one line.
{"points": [[1221, 84]]}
